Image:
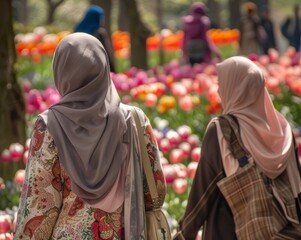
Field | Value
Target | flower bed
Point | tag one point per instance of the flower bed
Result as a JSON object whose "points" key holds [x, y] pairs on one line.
{"points": [[179, 99]]}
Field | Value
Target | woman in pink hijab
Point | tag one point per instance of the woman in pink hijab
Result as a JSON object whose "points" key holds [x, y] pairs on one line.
{"points": [[83, 178], [266, 136]]}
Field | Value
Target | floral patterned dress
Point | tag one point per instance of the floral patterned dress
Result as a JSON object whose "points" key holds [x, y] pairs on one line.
{"points": [[50, 210]]}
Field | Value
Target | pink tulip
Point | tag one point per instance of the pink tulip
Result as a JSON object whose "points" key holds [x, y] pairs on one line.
{"points": [[184, 131], [185, 103], [202, 83], [163, 161], [178, 90], [264, 60], [181, 170], [27, 144], [5, 223], [141, 77], [150, 100], [193, 140], [191, 169], [19, 176], [53, 98], [285, 61], [173, 137], [30, 109], [212, 94], [25, 157], [170, 173], [188, 84], [34, 98], [176, 155], [186, 149], [16, 151], [164, 145], [179, 185], [2, 185], [6, 236], [26, 86], [5, 156], [273, 55], [196, 154]]}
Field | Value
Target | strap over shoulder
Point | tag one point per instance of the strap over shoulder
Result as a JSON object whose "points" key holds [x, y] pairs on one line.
{"points": [[231, 133]]}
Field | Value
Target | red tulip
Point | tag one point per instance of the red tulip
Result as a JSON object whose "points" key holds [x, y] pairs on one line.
{"points": [[193, 140], [27, 144], [150, 100], [19, 176], [16, 151], [191, 169], [178, 90], [186, 103], [6, 236], [25, 157], [2, 185], [170, 173], [181, 170], [5, 156], [164, 145], [179, 185], [5, 223], [173, 137], [196, 154], [186, 149], [184, 131], [176, 155]]}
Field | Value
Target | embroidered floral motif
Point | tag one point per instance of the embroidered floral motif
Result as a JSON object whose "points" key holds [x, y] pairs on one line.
{"points": [[51, 210]]}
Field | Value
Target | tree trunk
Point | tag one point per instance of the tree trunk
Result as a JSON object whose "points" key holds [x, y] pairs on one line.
{"points": [[21, 8], [139, 33], [158, 12], [52, 6], [123, 21], [106, 5], [235, 15], [214, 13], [12, 107]]}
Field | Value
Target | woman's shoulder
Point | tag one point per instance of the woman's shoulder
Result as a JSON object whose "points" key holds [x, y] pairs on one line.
{"points": [[40, 124]]}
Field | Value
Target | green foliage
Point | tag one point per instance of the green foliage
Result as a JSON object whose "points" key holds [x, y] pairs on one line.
{"points": [[9, 195]]}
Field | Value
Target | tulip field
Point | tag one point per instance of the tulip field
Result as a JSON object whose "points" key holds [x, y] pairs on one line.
{"points": [[179, 100]]}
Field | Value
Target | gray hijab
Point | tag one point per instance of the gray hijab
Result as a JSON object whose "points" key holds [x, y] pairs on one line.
{"points": [[87, 124]]}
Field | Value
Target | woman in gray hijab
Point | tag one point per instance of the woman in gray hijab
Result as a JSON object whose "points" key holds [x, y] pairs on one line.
{"points": [[84, 178]]}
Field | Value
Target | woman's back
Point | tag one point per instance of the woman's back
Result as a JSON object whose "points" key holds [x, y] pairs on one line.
{"points": [[53, 210]]}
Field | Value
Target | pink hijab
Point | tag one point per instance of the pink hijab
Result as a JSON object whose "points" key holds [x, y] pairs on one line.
{"points": [[264, 131]]}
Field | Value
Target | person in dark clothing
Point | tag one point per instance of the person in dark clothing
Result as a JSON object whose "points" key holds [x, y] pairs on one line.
{"points": [[268, 26], [267, 137], [197, 47], [291, 28], [93, 23]]}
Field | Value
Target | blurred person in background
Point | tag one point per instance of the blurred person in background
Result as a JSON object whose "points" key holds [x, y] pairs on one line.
{"points": [[252, 34], [291, 28], [197, 47], [268, 26], [93, 23]]}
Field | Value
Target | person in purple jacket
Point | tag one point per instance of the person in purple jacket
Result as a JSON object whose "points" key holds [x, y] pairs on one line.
{"points": [[197, 47]]}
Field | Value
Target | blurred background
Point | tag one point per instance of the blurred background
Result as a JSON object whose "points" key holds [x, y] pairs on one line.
{"points": [[147, 37]]}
